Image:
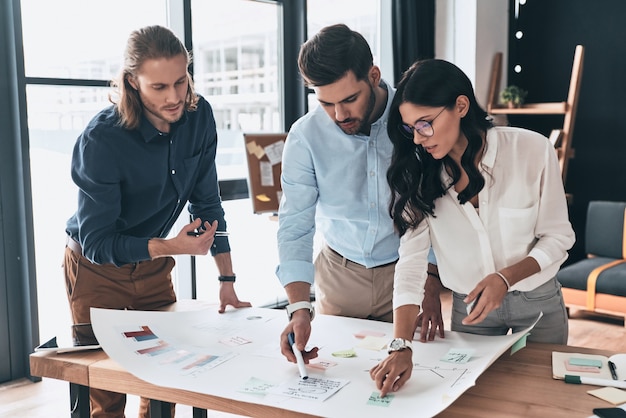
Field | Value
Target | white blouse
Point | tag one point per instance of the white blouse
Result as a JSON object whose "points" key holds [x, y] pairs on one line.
{"points": [[523, 212]]}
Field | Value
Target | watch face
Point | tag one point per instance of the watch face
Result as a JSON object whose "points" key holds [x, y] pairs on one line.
{"points": [[396, 344]]}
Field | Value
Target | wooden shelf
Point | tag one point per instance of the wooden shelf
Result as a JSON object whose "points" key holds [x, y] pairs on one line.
{"points": [[556, 108], [563, 138]]}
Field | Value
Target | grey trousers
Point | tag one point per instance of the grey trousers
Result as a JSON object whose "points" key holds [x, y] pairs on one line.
{"points": [[518, 311]]}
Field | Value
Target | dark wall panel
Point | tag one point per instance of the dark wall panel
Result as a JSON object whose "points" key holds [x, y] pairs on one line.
{"points": [[551, 30]]}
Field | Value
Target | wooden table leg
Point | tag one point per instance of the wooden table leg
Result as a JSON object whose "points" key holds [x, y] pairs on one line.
{"points": [[79, 401]]}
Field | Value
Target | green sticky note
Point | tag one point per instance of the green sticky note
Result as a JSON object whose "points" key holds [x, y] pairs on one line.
{"points": [[376, 400], [345, 353], [575, 361], [458, 355], [255, 386], [519, 344]]}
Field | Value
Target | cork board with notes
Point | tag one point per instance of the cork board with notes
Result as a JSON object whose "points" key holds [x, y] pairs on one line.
{"points": [[264, 157]]}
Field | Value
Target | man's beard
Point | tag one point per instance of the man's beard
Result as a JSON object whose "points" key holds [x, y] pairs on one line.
{"points": [[363, 122]]}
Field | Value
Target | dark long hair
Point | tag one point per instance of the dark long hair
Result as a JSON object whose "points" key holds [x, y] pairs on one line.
{"points": [[414, 176]]}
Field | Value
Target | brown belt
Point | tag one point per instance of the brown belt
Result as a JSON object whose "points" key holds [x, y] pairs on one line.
{"points": [[74, 246], [354, 262]]}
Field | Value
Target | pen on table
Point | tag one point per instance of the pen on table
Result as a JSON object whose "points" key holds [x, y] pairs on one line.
{"points": [[594, 381], [613, 370], [217, 233], [299, 360]]}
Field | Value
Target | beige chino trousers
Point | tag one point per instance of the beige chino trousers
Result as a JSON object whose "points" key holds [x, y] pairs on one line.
{"points": [[346, 288]]}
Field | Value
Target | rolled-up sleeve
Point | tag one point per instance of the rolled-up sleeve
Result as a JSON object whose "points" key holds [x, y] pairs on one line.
{"points": [[297, 214], [553, 229]]}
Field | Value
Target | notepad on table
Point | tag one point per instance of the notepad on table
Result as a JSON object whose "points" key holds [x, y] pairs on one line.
{"points": [[578, 364], [587, 365]]}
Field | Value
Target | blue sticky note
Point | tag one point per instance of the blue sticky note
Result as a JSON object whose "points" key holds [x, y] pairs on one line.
{"points": [[458, 355], [376, 400], [576, 361]]}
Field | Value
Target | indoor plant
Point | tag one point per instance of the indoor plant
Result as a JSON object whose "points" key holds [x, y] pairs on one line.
{"points": [[513, 96]]}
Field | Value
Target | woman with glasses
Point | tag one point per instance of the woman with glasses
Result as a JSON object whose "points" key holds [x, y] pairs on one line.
{"points": [[490, 201]]}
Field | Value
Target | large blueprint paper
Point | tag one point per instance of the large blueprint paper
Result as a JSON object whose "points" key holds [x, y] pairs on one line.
{"points": [[236, 355]]}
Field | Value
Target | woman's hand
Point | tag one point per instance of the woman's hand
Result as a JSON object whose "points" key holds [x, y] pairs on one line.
{"points": [[430, 319], [393, 372], [485, 297]]}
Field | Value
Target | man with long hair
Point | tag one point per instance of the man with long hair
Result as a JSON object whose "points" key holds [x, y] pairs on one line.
{"points": [[137, 165]]}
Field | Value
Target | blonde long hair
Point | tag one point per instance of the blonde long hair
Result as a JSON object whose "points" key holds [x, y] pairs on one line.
{"points": [[150, 42]]}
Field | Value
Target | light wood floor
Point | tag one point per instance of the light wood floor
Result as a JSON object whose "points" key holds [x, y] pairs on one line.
{"points": [[50, 398]]}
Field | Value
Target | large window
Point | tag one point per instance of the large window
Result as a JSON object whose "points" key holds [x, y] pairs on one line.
{"points": [[65, 42], [236, 67], [72, 49], [362, 16], [69, 61], [78, 39]]}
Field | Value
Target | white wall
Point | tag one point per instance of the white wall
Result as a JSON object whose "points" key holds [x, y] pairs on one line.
{"points": [[386, 40], [469, 33]]}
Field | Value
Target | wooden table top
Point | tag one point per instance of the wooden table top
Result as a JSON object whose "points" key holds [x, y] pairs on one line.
{"points": [[71, 367], [513, 386], [522, 386]]}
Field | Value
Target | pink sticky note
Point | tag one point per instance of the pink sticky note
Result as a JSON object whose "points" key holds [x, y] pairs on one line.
{"points": [[322, 364], [369, 333], [234, 341], [586, 369]]}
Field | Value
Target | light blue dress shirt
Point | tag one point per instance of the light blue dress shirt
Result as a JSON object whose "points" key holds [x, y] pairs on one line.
{"points": [[337, 183]]}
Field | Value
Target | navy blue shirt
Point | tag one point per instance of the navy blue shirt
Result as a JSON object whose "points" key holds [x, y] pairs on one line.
{"points": [[133, 184]]}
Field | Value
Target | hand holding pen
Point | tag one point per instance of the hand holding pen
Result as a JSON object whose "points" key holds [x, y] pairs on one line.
{"points": [[297, 333], [299, 359], [197, 233], [196, 238], [186, 241]]}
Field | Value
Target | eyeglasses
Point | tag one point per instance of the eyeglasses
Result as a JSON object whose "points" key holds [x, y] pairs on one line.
{"points": [[423, 127]]}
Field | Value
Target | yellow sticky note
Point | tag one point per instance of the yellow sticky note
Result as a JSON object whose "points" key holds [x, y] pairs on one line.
{"points": [[263, 198], [254, 148], [345, 353], [610, 394], [373, 343]]}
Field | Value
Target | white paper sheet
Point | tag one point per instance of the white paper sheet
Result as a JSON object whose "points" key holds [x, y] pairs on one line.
{"points": [[188, 353]]}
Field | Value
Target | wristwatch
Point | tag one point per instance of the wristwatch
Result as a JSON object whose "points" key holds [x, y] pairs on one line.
{"points": [[291, 308], [399, 344]]}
